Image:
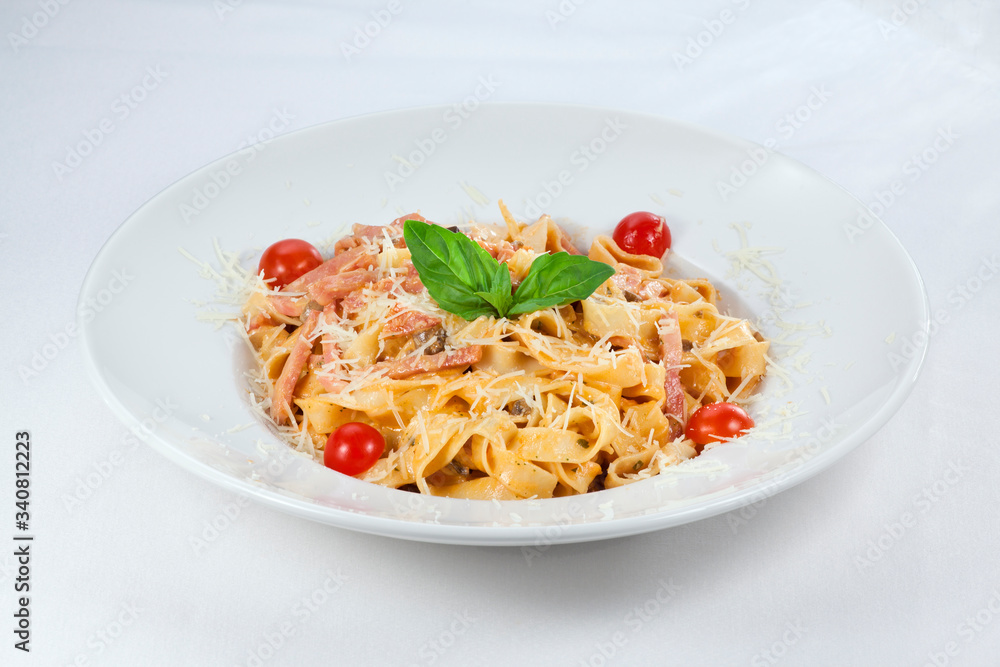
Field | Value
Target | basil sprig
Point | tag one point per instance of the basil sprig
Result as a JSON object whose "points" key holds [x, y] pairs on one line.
{"points": [[463, 279]]}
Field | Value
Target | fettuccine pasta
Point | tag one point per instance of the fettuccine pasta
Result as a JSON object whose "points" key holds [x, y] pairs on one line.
{"points": [[561, 401]]}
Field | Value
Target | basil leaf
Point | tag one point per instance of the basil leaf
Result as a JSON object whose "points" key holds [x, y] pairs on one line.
{"points": [[452, 267], [465, 280], [499, 294], [558, 279]]}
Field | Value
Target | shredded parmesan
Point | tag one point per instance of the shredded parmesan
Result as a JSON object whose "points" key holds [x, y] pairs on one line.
{"points": [[595, 372], [474, 194]]}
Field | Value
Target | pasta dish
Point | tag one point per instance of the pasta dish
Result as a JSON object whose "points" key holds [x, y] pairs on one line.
{"points": [[553, 401]]}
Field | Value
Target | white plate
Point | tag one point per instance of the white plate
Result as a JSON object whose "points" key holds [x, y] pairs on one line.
{"points": [[176, 380]]}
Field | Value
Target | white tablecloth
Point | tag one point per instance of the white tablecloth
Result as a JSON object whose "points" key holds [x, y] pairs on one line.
{"points": [[888, 558]]}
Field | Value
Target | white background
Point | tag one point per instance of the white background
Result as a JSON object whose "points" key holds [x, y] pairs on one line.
{"points": [[822, 574]]}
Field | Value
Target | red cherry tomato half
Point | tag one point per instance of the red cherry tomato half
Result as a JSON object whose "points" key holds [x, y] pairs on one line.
{"points": [[643, 233], [353, 448], [717, 421], [287, 260]]}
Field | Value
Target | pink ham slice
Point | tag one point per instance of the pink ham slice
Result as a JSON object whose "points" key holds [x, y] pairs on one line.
{"points": [[566, 245], [651, 290], [401, 220], [501, 251], [353, 302], [284, 386], [412, 283], [401, 369], [671, 354], [404, 323], [342, 262], [368, 232], [346, 243], [628, 279], [365, 232], [258, 321], [505, 252], [331, 385], [331, 353], [288, 306], [326, 290]]}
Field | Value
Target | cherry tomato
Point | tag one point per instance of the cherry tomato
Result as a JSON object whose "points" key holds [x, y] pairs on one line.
{"points": [[287, 260], [643, 233], [353, 448], [716, 422]]}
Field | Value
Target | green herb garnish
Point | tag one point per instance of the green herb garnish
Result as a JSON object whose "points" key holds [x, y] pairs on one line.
{"points": [[463, 279]]}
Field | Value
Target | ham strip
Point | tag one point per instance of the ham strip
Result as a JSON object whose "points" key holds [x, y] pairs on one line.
{"points": [[331, 385], [331, 351], [671, 354], [284, 386], [257, 321], [353, 302], [325, 290], [407, 278], [401, 220], [412, 283], [628, 279], [288, 306], [501, 251], [331, 354], [362, 233], [566, 245], [366, 232], [404, 323], [342, 262], [401, 369]]}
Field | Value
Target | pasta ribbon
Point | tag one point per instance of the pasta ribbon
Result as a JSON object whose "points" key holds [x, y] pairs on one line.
{"points": [[562, 401]]}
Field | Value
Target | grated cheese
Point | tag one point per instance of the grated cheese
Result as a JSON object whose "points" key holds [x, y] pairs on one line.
{"points": [[489, 393], [474, 194]]}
